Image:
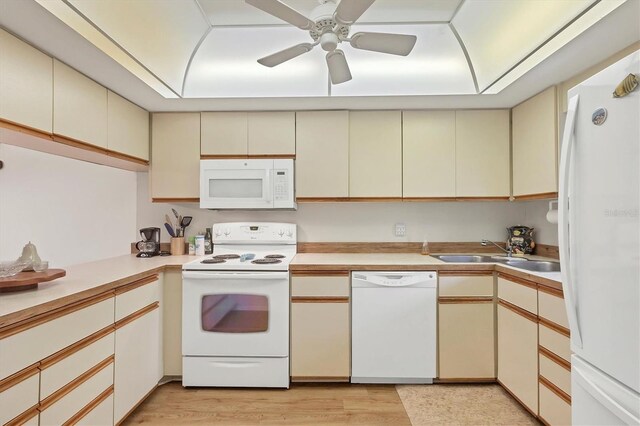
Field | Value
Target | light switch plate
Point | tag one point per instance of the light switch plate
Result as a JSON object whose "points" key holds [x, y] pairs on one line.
{"points": [[401, 229]]}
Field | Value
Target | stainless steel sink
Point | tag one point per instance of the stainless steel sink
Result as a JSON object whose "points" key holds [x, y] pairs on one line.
{"points": [[509, 259], [536, 266], [464, 258]]}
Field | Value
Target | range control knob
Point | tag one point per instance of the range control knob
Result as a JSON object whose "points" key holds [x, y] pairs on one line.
{"points": [[218, 233], [289, 233], [281, 233], [227, 233]]}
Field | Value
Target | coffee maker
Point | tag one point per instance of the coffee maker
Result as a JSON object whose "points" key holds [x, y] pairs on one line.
{"points": [[149, 246]]}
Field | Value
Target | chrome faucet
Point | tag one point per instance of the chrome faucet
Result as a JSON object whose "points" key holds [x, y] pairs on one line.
{"points": [[509, 251]]}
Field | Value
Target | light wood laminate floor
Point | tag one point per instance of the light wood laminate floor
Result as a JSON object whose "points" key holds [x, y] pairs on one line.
{"points": [[327, 404], [333, 404]]}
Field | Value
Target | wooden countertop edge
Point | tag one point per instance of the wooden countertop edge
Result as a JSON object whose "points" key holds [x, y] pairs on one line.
{"points": [[25, 314]]}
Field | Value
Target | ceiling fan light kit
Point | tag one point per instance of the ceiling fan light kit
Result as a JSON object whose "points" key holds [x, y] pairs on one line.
{"points": [[329, 26]]}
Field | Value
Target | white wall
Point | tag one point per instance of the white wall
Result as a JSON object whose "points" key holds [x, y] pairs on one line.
{"points": [[73, 211], [450, 221]]}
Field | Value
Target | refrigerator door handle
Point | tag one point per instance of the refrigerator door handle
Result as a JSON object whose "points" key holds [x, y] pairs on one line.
{"points": [[563, 221]]}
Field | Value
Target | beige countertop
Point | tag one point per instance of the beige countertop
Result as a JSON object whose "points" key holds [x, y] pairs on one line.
{"points": [[92, 278]]}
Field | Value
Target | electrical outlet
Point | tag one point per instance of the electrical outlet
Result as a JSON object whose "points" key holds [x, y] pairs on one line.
{"points": [[401, 229]]}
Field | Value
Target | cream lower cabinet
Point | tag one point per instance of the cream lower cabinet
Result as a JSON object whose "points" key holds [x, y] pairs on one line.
{"points": [[320, 328], [26, 84], [322, 154], [138, 345], [175, 156], [466, 325]]}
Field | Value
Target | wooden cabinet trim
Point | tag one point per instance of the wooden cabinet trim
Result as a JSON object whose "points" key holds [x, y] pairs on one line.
{"points": [[18, 377], [248, 156], [517, 280], [24, 417], [553, 388], [60, 393], [551, 291], [176, 200], [555, 358], [518, 310], [76, 347], [132, 286], [137, 314], [343, 273], [56, 313], [319, 299], [522, 404], [540, 196], [89, 407], [465, 299], [455, 273], [466, 380], [17, 127], [555, 327], [316, 379]]}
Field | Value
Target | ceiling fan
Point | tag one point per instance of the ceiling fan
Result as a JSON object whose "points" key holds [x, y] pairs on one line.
{"points": [[328, 26]]}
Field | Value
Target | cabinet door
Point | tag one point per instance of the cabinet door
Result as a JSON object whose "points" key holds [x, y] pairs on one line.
{"points": [[466, 340], [322, 154], [79, 106], [224, 133], [175, 155], [535, 145], [320, 344], [26, 84], [128, 127], [428, 154], [272, 133], [482, 153], [375, 154], [138, 361], [518, 356]]}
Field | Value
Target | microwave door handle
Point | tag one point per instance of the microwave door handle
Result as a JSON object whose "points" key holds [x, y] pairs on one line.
{"points": [[268, 184]]}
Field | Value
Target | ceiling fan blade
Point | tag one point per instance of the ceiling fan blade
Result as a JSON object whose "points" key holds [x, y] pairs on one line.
{"points": [[396, 44], [338, 67], [286, 54], [284, 12], [349, 11]]}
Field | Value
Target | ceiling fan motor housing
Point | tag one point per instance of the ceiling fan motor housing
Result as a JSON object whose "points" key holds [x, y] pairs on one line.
{"points": [[322, 15]]}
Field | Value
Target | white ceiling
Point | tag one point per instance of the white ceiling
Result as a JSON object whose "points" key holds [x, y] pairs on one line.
{"points": [[206, 50]]}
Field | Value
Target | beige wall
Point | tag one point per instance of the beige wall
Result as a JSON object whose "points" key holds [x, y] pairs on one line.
{"points": [[448, 221]]}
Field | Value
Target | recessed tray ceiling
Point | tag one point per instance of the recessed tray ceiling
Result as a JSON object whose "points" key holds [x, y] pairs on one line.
{"points": [[209, 48]]}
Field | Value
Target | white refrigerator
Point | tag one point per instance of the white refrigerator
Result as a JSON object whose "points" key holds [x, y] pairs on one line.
{"points": [[599, 237]]}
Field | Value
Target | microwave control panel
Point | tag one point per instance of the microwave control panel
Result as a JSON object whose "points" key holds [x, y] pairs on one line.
{"points": [[280, 185], [283, 190]]}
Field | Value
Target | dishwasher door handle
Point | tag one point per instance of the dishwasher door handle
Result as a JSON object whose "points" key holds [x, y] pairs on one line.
{"points": [[394, 280]]}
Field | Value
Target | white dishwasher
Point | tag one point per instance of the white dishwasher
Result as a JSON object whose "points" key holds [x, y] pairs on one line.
{"points": [[393, 327]]}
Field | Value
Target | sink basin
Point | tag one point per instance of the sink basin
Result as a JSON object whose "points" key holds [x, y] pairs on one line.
{"points": [[536, 265], [464, 258], [509, 259]]}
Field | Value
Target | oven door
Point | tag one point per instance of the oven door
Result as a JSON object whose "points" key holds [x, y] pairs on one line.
{"points": [[235, 313], [236, 184]]}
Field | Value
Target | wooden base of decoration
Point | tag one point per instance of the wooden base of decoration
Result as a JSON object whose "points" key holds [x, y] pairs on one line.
{"points": [[29, 280]]}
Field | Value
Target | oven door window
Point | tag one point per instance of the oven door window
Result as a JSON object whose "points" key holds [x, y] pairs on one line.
{"points": [[235, 313]]}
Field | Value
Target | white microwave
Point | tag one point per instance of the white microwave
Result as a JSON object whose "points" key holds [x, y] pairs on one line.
{"points": [[247, 184]]}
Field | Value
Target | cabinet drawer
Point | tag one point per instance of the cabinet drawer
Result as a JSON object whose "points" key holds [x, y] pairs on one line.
{"points": [[102, 414], [58, 371], [552, 308], [557, 343], [555, 373], [465, 285], [521, 295], [553, 409], [17, 351], [19, 395], [59, 408], [320, 285], [135, 296], [320, 341]]}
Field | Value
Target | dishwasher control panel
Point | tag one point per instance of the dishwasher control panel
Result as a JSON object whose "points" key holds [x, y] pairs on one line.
{"points": [[427, 279]]}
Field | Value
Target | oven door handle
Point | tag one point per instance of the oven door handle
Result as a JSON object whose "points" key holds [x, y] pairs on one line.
{"points": [[198, 275]]}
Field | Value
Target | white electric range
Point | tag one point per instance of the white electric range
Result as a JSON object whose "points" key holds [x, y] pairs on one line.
{"points": [[235, 308]]}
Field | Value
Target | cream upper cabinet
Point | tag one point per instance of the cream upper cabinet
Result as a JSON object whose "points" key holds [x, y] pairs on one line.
{"points": [[128, 127], [428, 154], [224, 133], [79, 106], [322, 139], [271, 133], [482, 153], [26, 84], [535, 145], [375, 154], [175, 155]]}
